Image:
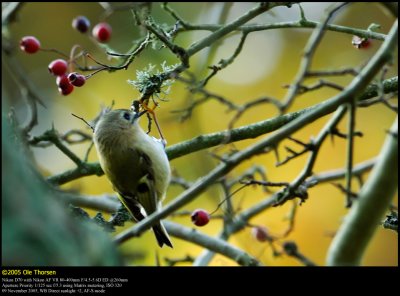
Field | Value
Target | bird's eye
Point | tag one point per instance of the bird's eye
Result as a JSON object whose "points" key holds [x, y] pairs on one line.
{"points": [[127, 116]]}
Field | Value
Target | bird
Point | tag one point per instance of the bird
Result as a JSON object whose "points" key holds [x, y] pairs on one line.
{"points": [[135, 163]]}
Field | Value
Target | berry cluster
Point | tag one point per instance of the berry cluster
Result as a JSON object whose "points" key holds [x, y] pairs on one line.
{"points": [[102, 31], [66, 81]]}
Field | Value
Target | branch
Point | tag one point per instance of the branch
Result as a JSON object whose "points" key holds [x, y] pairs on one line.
{"points": [[108, 204], [294, 190], [214, 244], [242, 133], [300, 24], [304, 24], [184, 55], [266, 126], [351, 241], [323, 177], [340, 173], [223, 63], [309, 52], [241, 221], [340, 72], [226, 29], [177, 50], [373, 90], [53, 137], [104, 202], [350, 150], [86, 169]]}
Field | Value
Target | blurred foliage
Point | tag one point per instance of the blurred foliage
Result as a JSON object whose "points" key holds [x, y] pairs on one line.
{"points": [[36, 228]]}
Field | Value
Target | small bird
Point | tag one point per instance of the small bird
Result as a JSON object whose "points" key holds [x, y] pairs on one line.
{"points": [[135, 163]]}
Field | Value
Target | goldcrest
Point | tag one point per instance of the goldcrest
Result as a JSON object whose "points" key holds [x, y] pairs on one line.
{"points": [[135, 163]]}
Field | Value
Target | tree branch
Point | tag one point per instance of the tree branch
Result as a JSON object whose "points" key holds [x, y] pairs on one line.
{"points": [[226, 29], [237, 134], [350, 150], [241, 221], [300, 24], [340, 173], [350, 242], [214, 244], [266, 126], [309, 52]]}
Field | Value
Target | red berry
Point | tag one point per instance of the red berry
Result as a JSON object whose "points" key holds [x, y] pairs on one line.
{"points": [[360, 42], [64, 86], [58, 67], [76, 79], [62, 81], [102, 32], [261, 233], [67, 90], [29, 44], [81, 23], [200, 217]]}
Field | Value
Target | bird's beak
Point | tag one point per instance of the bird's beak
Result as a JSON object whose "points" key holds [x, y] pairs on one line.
{"points": [[136, 116]]}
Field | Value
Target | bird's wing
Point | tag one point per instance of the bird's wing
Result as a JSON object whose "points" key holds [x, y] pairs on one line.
{"points": [[138, 192], [146, 194]]}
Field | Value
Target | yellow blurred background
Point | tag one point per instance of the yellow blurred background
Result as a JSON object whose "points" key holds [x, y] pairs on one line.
{"points": [[269, 60]]}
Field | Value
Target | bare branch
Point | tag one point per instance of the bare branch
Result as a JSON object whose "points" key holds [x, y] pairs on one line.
{"points": [[350, 242], [211, 243], [307, 58], [245, 132]]}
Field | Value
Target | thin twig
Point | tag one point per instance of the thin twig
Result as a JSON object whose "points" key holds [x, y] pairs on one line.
{"points": [[350, 151], [87, 123], [309, 52]]}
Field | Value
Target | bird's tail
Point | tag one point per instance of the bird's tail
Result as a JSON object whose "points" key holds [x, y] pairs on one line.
{"points": [[162, 235]]}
